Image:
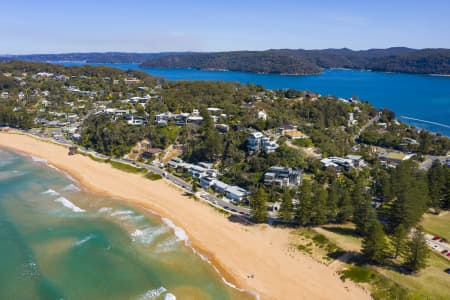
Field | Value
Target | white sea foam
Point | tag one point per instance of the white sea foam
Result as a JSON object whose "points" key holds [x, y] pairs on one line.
{"points": [[71, 188], [50, 192], [38, 159], [85, 240], [147, 235], [183, 236], [153, 294], [169, 296], [122, 212], [179, 232], [132, 218], [104, 210], [69, 204], [167, 246]]}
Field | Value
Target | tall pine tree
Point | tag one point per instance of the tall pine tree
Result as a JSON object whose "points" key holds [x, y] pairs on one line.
{"points": [[374, 244], [416, 252], [304, 208], [258, 205]]}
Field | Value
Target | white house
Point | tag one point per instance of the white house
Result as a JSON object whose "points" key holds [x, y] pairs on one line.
{"points": [[254, 141], [262, 115]]}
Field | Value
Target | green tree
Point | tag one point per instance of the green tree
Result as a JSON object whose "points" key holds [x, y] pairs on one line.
{"points": [[345, 206], [364, 216], [304, 208], [398, 239], [319, 208], [258, 205], [286, 209], [416, 251], [374, 243], [194, 186], [437, 185], [332, 202]]}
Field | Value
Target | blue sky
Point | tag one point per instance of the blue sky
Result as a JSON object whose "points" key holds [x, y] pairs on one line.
{"points": [[49, 26]]}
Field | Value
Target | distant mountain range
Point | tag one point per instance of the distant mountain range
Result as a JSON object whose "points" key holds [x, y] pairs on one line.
{"points": [[278, 61], [90, 57]]}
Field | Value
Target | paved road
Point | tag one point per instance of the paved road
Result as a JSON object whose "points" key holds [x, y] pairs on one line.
{"points": [[436, 245], [224, 204], [426, 164], [368, 124]]}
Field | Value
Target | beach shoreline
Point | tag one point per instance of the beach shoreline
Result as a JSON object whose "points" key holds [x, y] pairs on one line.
{"points": [[234, 250]]}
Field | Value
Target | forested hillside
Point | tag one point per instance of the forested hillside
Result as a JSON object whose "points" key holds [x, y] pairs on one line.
{"points": [[284, 61]]}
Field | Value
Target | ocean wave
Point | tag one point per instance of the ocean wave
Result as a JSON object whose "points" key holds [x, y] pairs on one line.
{"points": [[168, 245], [85, 240], [68, 204], [169, 296], [71, 188], [153, 294], [132, 218], [122, 212], [50, 192], [147, 235], [179, 232], [104, 210], [38, 159]]}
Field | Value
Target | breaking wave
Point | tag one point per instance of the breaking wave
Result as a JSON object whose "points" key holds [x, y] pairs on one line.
{"points": [[147, 235], [71, 188], [122, 212], [69, 204], [85, 240], [50, 192], [39, 160], [179, 232], [168, 245], [153, 294]]}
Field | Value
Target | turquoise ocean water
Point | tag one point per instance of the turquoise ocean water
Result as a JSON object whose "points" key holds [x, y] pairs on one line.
{"points": [[58, 241], [420, 100]]}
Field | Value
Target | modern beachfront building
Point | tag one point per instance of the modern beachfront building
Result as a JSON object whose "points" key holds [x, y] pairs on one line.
{"points": [[283, 177]]}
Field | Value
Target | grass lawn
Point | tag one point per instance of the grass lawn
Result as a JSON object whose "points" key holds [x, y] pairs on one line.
{"points": [[437, 225], [430, 283], [343, 235], [126, 167]]}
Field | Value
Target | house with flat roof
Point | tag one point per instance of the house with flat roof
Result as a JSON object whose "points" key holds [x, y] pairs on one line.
{"points": [[283, 177], [269, 146], [254, 141], [395, 157]]}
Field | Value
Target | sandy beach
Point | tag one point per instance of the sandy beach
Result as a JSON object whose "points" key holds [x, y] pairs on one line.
{"points": [[236, 250]]}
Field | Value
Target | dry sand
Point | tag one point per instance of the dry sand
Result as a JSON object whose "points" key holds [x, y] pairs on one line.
{"points": [[237, 250]]}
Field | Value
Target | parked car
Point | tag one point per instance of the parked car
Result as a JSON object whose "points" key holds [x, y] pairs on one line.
{"points": [[436, 238], [447, 270], [448, 254], [444, 251], [443, 240]]}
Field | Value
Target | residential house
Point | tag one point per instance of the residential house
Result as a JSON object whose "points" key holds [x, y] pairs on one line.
{"points": [[394, 158], [283, 177], [254, 141], [262, 115]]}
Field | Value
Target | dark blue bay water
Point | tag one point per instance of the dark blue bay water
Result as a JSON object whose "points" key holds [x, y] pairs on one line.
{"points": [[420, 100]]}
